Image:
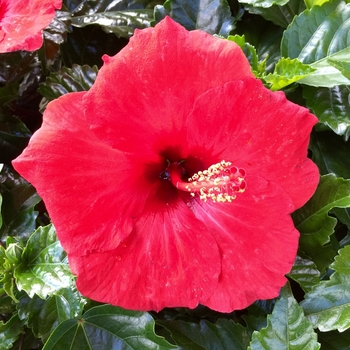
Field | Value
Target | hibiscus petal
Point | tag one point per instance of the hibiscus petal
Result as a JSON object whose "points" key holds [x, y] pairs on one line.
{"points": [[169, 260], [89, 188], [257, 240], [146, 91], [22, 21], [258, 130]]}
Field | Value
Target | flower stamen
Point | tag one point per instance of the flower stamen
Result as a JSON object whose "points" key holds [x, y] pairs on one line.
{"points": [[221, 182]]}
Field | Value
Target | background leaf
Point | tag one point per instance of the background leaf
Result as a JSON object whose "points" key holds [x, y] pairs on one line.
{"points": [[44, 269], [211, 16], [331, 106], [279, 15], [305, 272], [327, 305], [314, 223], [302, 40], [19, 200], [43, 316], [9, 332], [108, 327], [323, 145], [264, 3], [287, 327], [224, 334]]}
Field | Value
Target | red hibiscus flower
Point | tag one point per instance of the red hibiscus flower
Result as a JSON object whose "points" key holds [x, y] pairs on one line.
{"points": [[21, 23], [171, 182]]}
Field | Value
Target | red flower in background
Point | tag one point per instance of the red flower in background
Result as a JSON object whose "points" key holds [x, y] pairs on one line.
{"points": [[171, 182], [22, 22]]}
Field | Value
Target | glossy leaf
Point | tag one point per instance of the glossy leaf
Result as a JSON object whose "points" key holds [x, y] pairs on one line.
{"points": [[317, 35], [287, 327], [305, 272], [19, 200], [331, 106], [327, 305], [77, 78], [286, 72], [14, 135], [14, 65], [323, 145], [44, 269], [211, 16], [313, 221], [108, 327], [279, 15], [224, 334], [43, 316], [9, 332], [342, 66], [264, 3], [121, 23]]}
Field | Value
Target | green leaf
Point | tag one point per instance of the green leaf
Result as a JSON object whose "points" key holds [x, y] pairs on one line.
{"points": [[287, 72], [279, 15], [120, 23], [107, 327], [211, 16], [334, 340], [287, 327], [318, 35], [312, 3], [343, 67], [263, 3], [327, 305], [305, 272], [323, 145], [77, 78], [10, 332], [313, 221], [43, 316], [250, 52], [331, 106], [224, 334], [44, 269], [19, 199]]}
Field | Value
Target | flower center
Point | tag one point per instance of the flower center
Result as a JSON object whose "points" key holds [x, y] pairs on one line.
{"points": [[220, 182]]}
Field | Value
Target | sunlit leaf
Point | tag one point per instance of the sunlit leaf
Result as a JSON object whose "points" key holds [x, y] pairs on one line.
{"points": [[211, 16], [44, 269], [43, 316], [224, 334], [305, 272], [287, 327], [264, 3], [108, 327], [327, 305], [317, 35], [313, 221], [250, 52], [9, 332], [331, 106], [343, 67], [287, 72]]}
